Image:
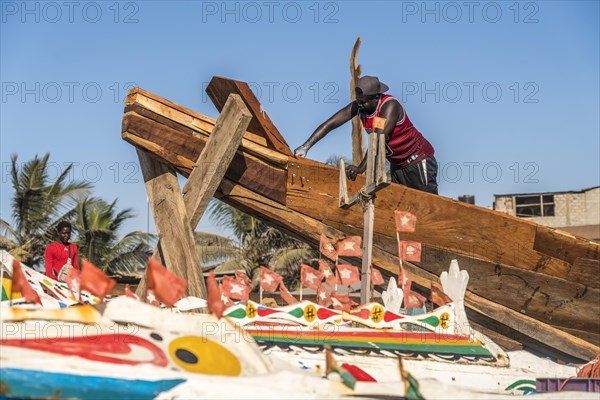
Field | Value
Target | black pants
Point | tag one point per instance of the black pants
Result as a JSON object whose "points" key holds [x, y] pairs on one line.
{"points": [[421, 175]]}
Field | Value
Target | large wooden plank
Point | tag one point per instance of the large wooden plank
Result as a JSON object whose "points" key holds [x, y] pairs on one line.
{"points": [[139, 100], [443, 222], [215, 158], [309, 229], [176, 239], [587, 270], [565, 246], [180, 149], [584, 254], [219, 88]]}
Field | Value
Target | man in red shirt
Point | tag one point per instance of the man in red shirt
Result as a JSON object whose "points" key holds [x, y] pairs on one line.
{"points": [[410, 155], [61, 252]]}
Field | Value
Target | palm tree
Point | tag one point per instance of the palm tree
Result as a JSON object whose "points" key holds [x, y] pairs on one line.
{"points": [[256, 244], [97, 225], [38, 205]]}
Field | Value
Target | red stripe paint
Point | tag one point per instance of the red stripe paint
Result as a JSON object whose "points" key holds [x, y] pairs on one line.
{"points": [[324, 313], [103, 348], [390, 316], [263, 311]]}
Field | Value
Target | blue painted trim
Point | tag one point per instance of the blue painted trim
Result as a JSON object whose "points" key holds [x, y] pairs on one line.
{"points": [[25, 383]]}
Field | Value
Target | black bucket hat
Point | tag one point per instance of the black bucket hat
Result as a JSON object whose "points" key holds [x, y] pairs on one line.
{"points": [[370, 85]]}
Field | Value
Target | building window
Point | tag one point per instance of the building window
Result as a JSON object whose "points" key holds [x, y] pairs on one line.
{"points": [[535, 205]]}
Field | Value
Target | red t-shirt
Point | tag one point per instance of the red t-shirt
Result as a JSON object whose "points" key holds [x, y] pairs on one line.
{"points": [[57, 255], [406, 145]]}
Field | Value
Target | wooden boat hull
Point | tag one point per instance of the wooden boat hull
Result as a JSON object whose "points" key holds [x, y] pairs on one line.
{"points": [[525, 276]]}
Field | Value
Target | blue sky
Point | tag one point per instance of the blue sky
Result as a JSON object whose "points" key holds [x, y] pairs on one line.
{"points": [[507, 92]]}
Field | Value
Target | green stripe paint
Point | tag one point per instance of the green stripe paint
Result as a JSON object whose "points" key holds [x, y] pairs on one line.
{"points": [[297, 312], [432, 320], [237, 313]]}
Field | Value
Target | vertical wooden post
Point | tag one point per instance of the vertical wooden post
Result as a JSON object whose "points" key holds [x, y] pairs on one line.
{"points": [[343, 193], [358, 151], [376, 180], [177, 246], [368, 221], [365, 281]]}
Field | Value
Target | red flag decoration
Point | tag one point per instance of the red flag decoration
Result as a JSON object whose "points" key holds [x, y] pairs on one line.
{"points": [[325, 269], [438, 296], [310, 277], [341, 301], [226, 300], [409, 251], [327, 248], [269, 279], [376, 276], [286, 295], [358, 373], [235, 289], [405, 221], [20, 284], [349, 247], [214, 300], [347, 274], [128, 292], [92, 279], [151, 298], [323, 296], [73, 281], [167, 287], [411, 299], [242, 277]]}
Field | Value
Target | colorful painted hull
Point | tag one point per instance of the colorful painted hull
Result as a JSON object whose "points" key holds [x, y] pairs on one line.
{"points": [[375, 331], [407, 344], [128, 349]]}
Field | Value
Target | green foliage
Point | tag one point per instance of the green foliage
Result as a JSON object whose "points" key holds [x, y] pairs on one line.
{"points": [[97, 225], [38, 205]]}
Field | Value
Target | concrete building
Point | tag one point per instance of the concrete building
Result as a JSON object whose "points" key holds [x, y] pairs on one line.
{"points": [[574, 212]]}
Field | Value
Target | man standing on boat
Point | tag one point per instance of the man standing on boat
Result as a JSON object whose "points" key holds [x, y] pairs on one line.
{"points": [[410, 155]]}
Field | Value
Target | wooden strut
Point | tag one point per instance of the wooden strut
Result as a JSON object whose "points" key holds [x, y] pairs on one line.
{"points": [[177, 213], [376, 180]]}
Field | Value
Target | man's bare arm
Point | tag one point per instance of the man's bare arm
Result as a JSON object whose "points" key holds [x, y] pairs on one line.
{"points": [[335, 121]]}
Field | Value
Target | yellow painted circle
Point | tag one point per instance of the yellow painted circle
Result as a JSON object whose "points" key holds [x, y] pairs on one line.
{"points": [[47, 282], [310, 313], [377, 314], [444, 320], [250, 310], [204, 356]]}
